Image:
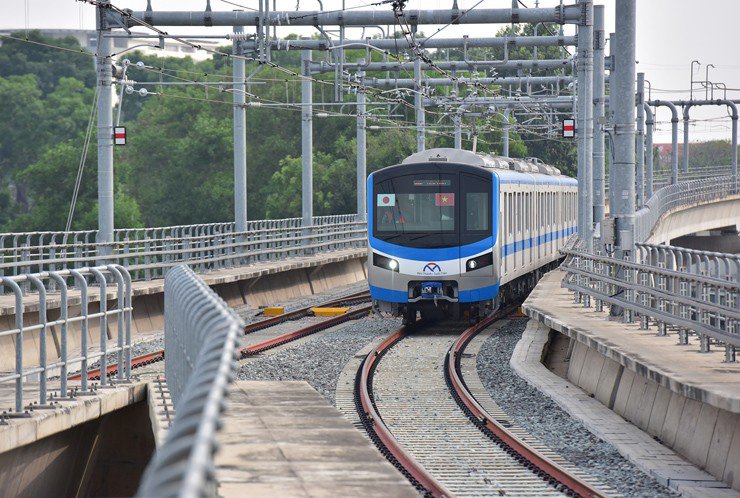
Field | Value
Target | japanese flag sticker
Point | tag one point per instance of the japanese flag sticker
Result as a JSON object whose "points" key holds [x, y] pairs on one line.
{"points": [[386, 199]]}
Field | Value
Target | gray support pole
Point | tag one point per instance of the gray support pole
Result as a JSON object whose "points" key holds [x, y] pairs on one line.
{"points": [[306, 140], [361, 149], [674, 146], [622, 98], [585, 124], [419, 105], [610, 119], [598, 143], [505, 133], [686, 109], [649, 122], [640, 152], [734, 149], [457, 120], [105, 136], [240, 140]]}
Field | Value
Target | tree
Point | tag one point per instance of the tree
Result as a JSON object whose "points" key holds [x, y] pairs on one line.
{"points": [[50, 182], [48, 64]]}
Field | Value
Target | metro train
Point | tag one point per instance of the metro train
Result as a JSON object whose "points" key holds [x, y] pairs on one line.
{"points": [[454, 233]]}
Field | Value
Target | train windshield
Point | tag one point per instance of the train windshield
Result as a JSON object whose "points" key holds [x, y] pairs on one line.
{"points": [[431, 209]]}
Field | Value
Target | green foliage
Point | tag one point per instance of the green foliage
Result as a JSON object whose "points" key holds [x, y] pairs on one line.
{"points": [[48, 64], [50, 183]]}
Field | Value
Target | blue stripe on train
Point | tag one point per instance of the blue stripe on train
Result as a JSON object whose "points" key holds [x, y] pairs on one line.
{"points": [[521, 245]]}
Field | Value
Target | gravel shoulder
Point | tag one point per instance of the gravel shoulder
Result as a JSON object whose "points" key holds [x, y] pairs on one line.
{"points": [[541, 417], [320, 359]]}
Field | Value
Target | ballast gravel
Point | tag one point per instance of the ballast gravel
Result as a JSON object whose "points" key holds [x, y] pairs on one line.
{"points": [[545, 420], [319, 360]]}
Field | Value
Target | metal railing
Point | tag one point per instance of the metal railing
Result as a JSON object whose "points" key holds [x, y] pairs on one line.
{"points": [[680, 194], [200, 347], [717, 265], [69, 342], [662, 176], [689, 292], [148, 253]]}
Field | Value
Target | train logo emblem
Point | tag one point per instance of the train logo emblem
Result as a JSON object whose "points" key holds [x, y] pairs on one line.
{"points": [[432, 268]]}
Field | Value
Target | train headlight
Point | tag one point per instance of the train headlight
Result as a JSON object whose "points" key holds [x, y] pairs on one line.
{"points": [[479, 261], [385, 262]]}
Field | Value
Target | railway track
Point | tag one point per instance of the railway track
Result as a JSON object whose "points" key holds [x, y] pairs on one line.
{"points": [[269, 342], [414, 403]]}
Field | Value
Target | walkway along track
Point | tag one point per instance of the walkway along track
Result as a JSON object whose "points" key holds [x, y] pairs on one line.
{"points": [[156, 356], [422, 417]]}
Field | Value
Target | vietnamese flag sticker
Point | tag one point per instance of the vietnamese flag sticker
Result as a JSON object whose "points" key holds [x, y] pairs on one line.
{"points": [[386, 199], [444, 200]]}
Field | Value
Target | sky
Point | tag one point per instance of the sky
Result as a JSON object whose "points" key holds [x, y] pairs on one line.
{"points": [[670, 34]]}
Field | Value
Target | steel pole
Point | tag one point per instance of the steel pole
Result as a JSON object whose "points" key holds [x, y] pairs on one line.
{"points": [[240, 140], [610, 119], [361, 149], [419, 105], [567, 14], [649, 122], [686, 109], [306, 141], [640, 147], [598, 142], [585, 124], [505, 133], [105, 136], [622, 97], [457, 120], [734, 151]]}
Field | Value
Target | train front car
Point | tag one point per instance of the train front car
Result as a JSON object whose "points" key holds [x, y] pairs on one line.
{"points": [[432, 225]]}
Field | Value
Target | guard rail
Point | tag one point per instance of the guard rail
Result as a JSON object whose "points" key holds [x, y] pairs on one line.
{"points": [[148, 253], [200, 346], [670, 287], [67, 337]]}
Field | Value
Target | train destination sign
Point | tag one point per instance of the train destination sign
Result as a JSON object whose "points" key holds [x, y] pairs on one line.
{"points": [[432, 183]]}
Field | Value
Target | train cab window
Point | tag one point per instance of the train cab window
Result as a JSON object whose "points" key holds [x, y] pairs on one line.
{"points": [[427, 209], [476, 214]]}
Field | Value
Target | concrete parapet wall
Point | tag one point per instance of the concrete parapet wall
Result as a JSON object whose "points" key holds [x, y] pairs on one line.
{"points": [[703, 434], [695, 218], [93, 446]]}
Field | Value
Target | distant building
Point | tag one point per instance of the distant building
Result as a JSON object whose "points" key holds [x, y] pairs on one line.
{"points": [[88, 39]]}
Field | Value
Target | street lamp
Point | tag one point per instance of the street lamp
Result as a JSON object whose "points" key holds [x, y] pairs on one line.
{"points": [[706, 86], [691, 95]]}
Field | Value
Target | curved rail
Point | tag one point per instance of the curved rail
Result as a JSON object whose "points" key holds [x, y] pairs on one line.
{"points": [[537, 462], [379, 432]]}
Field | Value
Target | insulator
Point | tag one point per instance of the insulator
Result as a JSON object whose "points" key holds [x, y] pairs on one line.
{"points": [[240, 36]]}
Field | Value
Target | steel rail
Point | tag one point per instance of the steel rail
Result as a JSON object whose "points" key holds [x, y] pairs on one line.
{"points": [[379, 432], [492, 428], [303, 332], [300, 313], [138, 362]]}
